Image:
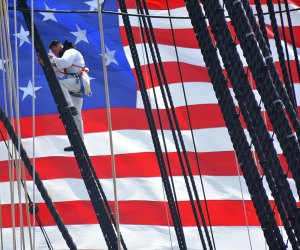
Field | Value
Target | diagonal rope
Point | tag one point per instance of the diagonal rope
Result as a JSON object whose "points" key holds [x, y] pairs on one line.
{"points": [[288, 14], [161, 127], [190, 123], [175, 216], [172, 114]]}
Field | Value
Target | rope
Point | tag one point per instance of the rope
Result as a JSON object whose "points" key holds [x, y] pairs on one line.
{"points": [[3, 77], [278, 171], [92, 183], [174, 213], [161, 75], [161, 130], [262, 23], [109, 124], [38, 181], [33, 117], [293, 94], [243, 199], [119, 13], [6, 37], [18, 162], [287, 10], [28, 199], [280, 53], [243, 92], [232, 121], [264, 85], [190, 124]]}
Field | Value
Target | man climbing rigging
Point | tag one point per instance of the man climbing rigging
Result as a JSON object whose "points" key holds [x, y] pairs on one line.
{"points": [[69, 66]]}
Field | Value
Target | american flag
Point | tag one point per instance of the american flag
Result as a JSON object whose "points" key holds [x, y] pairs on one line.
{"points": [[145, 222]]}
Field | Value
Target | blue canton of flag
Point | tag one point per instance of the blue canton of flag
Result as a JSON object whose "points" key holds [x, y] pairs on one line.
{"points": [[83, 30]]}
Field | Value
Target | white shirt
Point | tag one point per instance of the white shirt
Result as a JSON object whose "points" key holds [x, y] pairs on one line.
{"points": [[70, 57]]}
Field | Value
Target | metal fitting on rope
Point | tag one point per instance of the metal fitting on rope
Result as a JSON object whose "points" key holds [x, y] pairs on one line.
{"points": [[278, 106], [269, 57], [250, 34]]}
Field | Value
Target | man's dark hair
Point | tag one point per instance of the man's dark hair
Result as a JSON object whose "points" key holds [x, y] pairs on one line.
{"points": [[54, 43]]}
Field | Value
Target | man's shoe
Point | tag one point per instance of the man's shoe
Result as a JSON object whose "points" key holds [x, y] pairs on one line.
{"points": [[68, 149]]}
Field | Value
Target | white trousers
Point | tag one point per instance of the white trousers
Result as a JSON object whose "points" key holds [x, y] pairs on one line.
{"points": [[72, 84]]}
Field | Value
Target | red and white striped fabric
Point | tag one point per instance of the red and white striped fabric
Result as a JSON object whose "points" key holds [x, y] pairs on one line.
{"points": [[145, 222]]}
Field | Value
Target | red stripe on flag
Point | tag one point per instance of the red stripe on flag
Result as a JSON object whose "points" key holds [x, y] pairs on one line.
{"points": [[222, 213]]}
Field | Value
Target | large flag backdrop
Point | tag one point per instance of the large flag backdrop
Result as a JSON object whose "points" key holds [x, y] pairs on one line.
{"points": [[144, 220]]}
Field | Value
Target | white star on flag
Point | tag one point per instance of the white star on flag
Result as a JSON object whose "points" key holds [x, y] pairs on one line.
{"points": [[94, 4], [80, 35], [48, 15], [23, 36], [28, 90], [110, 56]]}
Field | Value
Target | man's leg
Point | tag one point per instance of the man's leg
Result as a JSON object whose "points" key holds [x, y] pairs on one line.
{"points": [[78, 118], [75, 103], [69, 84]]}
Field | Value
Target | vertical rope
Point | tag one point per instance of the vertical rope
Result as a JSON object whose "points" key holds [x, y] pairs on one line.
{"points": [[243, 199], [5, 29], [4, 91], [18, 160], [33, 119], [109, 125]]}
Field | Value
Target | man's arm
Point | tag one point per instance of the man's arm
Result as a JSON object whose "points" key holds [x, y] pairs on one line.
{"points": [[67, 60]]}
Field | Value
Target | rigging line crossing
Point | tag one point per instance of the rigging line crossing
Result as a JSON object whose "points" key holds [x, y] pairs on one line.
{"points": [[109, 125], [174, 213], [190, 125], [28, 197], [20, 167], [292, 36], [92, 183], [289, 88], [247, 103], [6, 40], [123, 13], [161, 74], [261, 21], [262, 45], [266, 89], [161, 127], [170, 119], [38, 181], [232, 121], [290, 205], [290, 74], [260, 74]]}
